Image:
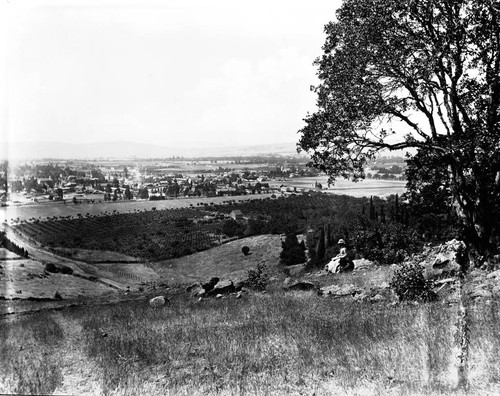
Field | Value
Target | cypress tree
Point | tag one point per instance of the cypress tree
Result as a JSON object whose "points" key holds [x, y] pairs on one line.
{"points": [[321, 248]]}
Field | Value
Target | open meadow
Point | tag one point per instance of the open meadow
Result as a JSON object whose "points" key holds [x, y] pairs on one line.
{"points": [[272, 343]]}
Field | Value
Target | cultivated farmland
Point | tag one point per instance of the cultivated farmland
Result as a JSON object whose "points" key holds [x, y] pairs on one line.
{"points": [[163, 234]]}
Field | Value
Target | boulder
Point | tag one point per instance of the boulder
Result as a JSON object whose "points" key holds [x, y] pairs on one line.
{"points": [[494, 275], [300, 285], [442, 260], [377, 298], [294, 270], [196, 289], [157, 301], [362, 263], [208, 286], [224, 286], [480, 293], [287, 281], [496, 290]]}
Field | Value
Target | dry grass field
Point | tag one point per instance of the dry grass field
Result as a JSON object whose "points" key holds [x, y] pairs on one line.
{"points": [[224, 261], [273, 343]]}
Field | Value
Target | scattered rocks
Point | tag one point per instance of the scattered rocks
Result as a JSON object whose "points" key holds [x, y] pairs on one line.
{"points": [[158, 301]]}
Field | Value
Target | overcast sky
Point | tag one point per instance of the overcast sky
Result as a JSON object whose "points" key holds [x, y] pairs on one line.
{"points": [[182, 73]]}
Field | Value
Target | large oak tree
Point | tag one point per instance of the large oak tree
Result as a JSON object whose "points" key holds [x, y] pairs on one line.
{"points": [[421, 75]]}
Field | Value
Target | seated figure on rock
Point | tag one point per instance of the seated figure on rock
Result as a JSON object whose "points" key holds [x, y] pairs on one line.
{"points": [[342, 262]]}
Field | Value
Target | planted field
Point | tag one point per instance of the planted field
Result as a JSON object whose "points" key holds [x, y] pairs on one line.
{"points": [[164, 234], [150, 235]]}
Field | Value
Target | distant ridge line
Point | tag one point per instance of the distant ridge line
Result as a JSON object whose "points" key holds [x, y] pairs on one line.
{"points": [[127, 150]]}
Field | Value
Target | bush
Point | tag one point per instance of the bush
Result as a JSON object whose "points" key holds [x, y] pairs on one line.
{"points": [[258, 278], [245, 250], [386, 243], [409, 284], [50, 267]]}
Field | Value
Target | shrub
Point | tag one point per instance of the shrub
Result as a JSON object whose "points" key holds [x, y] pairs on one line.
{"points": [[258, 278], [50, 267], [245, 250], [409, 284]]}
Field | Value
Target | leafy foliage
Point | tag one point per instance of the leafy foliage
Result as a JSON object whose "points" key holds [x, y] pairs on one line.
{"points": [[425, 75], [258, 278], [409, 284], [386, 243]]}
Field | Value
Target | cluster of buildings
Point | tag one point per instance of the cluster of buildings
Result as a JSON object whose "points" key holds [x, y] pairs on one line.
{"points": [[78, 183]]}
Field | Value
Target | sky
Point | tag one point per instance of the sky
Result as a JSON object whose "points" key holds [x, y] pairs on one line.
{"points": [[185, 73]]}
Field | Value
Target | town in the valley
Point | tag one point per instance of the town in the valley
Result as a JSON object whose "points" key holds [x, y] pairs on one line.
{"points": [[53, 181]]}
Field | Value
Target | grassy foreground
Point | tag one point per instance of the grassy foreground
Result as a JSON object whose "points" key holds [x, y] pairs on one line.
{"points": [[270, 343]]}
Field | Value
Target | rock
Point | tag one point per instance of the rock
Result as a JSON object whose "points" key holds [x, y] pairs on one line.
{"points": [[208, 286], [496, 290], [377, 298], [442, 260], [480, 293], [339, 291], [294, 270], [287, 281], [238, 295], [157, 301], [300, 285], [196, 289], [494, 275], [219, 296], [362, 263], [443, 281], [224, 286]]}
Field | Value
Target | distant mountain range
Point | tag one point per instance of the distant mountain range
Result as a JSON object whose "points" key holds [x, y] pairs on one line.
{"points": [[121, 149]]}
